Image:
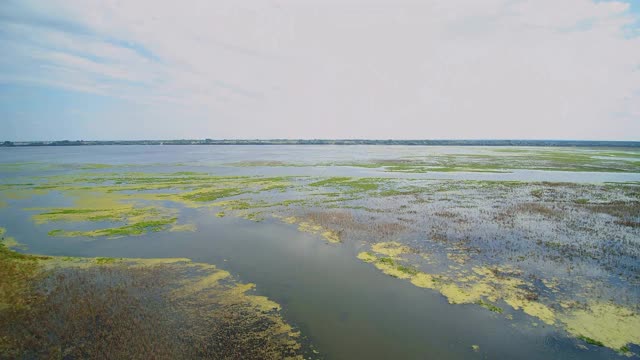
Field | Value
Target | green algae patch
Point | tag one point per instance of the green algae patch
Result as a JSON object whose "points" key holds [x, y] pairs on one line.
{"points": [[117, 198], [351, 185], [490, 306], [129, 219], [604, 324], [485, 286], [208, 195], [590, 341], [533, 308], [164, 308], [135, 229], [311, 227], [116, 213], [387, 265], [367, 256], [391, 248]]}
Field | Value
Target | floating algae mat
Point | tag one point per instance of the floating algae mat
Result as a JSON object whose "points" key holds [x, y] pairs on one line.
{"points": [[374, 252]]}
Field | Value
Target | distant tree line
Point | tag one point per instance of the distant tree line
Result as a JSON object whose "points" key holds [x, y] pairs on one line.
{"points": [[590, 143]]}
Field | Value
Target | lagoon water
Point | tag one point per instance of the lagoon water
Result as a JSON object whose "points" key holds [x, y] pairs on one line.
{"points": [[346, 308]]}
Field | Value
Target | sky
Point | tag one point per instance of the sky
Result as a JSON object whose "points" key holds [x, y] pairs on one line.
{"points": [[392, 69]]}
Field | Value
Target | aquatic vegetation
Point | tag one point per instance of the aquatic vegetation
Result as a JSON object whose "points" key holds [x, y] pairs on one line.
{"points": [[189, 310], [120, 203], [309, 226], [490, 306], [350, 185], [391, 248], [604, 324], [138, 228], [211, 194], [115, 213], [10, 242], [485, 283], [590, 341]]}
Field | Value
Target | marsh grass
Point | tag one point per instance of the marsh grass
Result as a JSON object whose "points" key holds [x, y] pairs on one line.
{"points": [[113, 310], [344, 222], [135, 229], [536, 209]]}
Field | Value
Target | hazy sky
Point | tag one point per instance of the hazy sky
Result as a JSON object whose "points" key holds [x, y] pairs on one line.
{"points": [[128, 69]]}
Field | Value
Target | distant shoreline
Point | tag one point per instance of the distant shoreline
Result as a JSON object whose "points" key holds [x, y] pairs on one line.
{"points": [[554, 143]]}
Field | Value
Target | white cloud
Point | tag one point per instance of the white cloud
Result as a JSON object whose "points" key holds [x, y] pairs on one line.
{"points": [[348, 68]]}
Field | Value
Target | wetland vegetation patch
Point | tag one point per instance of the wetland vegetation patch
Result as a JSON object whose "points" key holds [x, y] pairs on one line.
{"points": [[121, 308]]}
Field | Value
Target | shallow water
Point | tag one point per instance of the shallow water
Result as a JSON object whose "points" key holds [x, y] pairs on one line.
{"points": [[346, 308], [216, 159]]}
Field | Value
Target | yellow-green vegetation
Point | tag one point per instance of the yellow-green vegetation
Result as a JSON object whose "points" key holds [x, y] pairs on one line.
{"points": [[311, 227], [391, 248], [604, 324], [350, 185], [136, 203], [138, 228], [117, 212], [489, 306], [128, 219], [53, 307], [9, 241], [484, 287]]}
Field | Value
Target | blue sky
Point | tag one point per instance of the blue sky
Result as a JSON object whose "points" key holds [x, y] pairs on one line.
{"points": [[98, 69]]}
